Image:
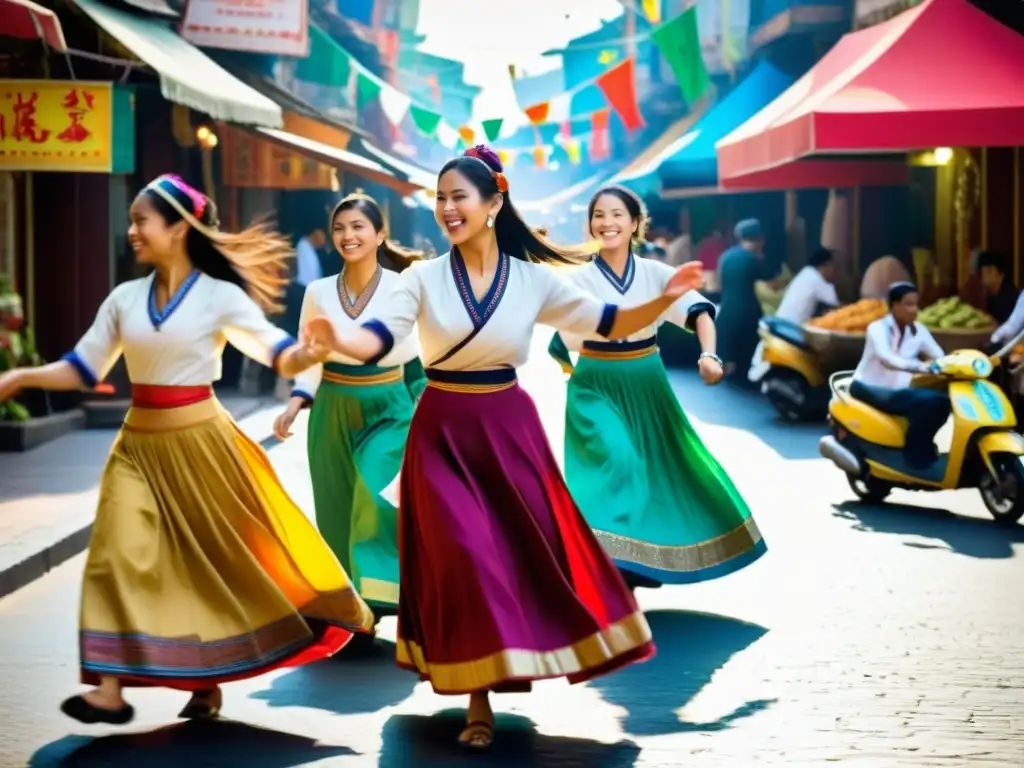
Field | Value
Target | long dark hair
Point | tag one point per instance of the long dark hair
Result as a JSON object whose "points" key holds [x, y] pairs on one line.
{"points": [[634, 207], [392, 251], [255, 259], [482, 166]]}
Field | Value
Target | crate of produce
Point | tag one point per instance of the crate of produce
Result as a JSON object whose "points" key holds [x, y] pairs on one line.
{"points": [[838, 336], [835, 350], [955, 324]]}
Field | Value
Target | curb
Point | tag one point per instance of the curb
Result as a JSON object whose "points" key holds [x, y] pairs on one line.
{"points": [[37, 565]]}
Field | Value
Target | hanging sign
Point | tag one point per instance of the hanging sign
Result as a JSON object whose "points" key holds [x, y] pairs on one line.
{"points": [[275, 27]]}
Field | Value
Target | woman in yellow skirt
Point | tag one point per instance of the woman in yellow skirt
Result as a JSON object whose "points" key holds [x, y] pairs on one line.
{"points": [[201, 569]]}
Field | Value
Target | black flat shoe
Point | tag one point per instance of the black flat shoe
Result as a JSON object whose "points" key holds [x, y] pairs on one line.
{"points": [[204, 705], [78, 708]]}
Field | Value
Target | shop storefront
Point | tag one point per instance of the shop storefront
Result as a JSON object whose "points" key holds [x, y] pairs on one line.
{"points": [[61, 145]]}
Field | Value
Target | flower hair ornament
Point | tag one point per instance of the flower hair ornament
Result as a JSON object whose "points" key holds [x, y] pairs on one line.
{"points": [[188, 201], [488, 157]]}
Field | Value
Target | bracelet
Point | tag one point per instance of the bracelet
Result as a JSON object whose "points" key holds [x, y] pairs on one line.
{"points": [[711, 356]]}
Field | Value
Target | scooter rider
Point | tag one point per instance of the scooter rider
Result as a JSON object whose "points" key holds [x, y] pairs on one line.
{"points": [[893, 351]]}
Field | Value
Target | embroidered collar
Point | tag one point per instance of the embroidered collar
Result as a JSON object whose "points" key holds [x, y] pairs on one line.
{"points": [[355, 308], [621, 284], [480, 311], [159, 317]]}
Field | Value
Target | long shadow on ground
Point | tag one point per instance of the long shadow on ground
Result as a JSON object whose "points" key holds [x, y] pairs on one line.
{"points": [[691, 648]]}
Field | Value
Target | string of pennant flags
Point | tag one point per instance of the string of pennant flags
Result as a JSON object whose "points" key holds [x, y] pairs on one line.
{"points": [[677, 40]]}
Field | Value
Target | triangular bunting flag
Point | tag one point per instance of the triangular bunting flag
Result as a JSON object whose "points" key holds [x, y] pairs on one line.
{"points": [[394, 104], [618, 85], [467, 135], [446, 135], [573, 151], [652, 10], [327, 64], [426, 121], [679, 42], [538, 113], [368, 88], [492, 128], [540, 156]]}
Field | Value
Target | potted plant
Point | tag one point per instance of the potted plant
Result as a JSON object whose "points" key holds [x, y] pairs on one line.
{"points": [[26, 421]]}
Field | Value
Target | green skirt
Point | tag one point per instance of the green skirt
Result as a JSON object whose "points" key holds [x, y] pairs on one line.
{"points": [[357, 431], [658, 501]]}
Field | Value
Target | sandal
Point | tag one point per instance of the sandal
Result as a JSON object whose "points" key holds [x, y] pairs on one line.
{"points": [[477, 735], [78, 708], [204, 705]]}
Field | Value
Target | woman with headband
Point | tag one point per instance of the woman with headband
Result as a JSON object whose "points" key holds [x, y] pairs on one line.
{"points": [[201, 569], [502, 582], [360, 413], [656, 498]]}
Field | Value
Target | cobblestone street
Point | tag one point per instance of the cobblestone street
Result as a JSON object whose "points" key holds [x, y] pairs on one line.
{"points": [[869, 636]]}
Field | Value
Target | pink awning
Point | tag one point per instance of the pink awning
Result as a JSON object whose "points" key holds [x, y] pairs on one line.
{"points": [[25, 19], [942, 74]]}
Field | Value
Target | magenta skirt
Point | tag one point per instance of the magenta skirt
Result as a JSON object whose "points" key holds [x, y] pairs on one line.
{"points": [[502, 581]]}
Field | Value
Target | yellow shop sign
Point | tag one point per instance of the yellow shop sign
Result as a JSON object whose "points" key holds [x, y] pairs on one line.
{"points": [[66, 125]]}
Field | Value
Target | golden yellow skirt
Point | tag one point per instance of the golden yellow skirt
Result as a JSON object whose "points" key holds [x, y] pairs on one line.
{"points": [[201, 569]]}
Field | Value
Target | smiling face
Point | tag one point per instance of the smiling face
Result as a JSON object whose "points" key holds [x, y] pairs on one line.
{"points": [[151, 238], [611, 223], [460, 210], [354, 236]]}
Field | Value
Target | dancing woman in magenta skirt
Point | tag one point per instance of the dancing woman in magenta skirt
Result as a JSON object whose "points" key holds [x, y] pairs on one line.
{"points": [[502, 581]]}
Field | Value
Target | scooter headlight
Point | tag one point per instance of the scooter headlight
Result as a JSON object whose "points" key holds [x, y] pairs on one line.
{"points": [[982, 367]]}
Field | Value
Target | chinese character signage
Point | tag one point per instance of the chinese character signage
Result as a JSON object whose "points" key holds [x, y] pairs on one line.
{"points": [[63, 125], [251, 162], [275, 27]]}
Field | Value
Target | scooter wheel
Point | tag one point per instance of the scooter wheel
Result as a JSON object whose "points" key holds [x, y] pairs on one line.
{"points": [[869, 489], [1004, 499]]}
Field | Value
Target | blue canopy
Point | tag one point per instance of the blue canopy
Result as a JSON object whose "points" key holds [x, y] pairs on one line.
{"points": [[691, 161]]}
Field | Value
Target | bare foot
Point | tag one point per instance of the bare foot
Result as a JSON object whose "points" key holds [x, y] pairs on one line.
{"points": [[103, 699]]}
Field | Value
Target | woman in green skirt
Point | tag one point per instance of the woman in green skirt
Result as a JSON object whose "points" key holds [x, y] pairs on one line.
{"points": [[658, 501], [359, 414]]}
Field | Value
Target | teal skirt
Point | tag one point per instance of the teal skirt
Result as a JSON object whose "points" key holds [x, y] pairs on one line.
{"points": [[357, 429], [658, 501]]}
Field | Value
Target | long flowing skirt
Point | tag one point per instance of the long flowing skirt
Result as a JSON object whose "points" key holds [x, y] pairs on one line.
{"points": [[658, 501], [201, 569], [357, 430], [502, 580]]}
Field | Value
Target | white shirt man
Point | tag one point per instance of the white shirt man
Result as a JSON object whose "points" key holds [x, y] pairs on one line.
{"points": [[308, 268], [892, 356], [808, 289]]}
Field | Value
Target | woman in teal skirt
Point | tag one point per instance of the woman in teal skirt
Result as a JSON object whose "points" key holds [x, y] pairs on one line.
{"points": [[359, 414], [658, 501]]}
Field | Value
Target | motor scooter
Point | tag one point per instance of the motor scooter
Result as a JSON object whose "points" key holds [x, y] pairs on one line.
{"points": [[987, 453], [793, 382]]}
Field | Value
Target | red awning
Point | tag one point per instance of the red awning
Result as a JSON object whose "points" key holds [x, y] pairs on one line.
{"points": [[25, 19], [942, 74]]}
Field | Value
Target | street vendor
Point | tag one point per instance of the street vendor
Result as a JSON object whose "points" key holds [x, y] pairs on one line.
{"points": [[740, 268], [896, 347], [1000, 294], [812, 289]]}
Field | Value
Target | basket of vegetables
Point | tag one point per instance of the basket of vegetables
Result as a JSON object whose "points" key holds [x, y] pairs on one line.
{"points": [[838, 336], [955, 324]]}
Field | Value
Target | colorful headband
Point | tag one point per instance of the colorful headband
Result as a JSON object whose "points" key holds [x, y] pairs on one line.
{"points": [[198, 199], [499, 178], [165, 186]]}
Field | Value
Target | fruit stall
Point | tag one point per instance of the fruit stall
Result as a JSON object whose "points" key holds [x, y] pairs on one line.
{"points": [[837, 338]]}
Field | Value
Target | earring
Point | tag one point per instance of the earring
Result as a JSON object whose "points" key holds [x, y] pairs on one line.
{"points": [[490, 222]]}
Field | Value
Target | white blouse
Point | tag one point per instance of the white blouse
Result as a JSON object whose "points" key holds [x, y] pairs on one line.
{"points": [[329, 297], [643, 280], [459, 333], [183, 344]]}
